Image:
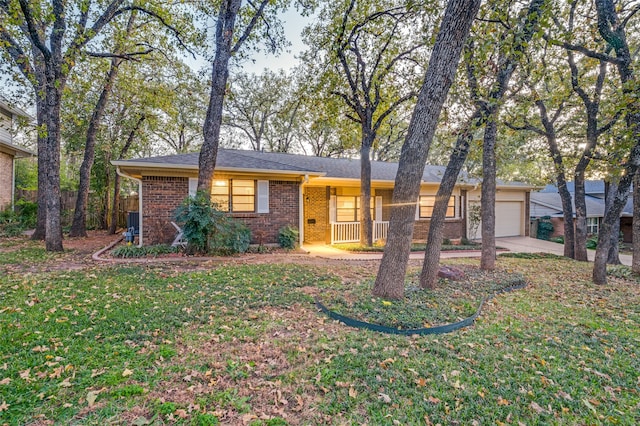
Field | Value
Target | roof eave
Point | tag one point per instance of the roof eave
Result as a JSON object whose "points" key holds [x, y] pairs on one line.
{"points": [[192, 167], [17, 151]]}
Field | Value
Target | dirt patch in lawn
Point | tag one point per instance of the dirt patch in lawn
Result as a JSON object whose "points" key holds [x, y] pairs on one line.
{"points": [[249, 377]]}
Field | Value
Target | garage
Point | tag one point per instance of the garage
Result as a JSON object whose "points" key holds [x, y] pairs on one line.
{"points": [[508, 218]]}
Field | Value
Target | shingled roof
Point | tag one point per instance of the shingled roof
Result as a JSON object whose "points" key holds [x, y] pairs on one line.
{"points": [[341, 168]]}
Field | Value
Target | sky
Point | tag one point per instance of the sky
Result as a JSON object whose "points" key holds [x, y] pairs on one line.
{"points": [[293, 24]]}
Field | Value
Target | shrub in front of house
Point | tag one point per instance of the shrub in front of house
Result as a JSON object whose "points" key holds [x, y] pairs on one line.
{"points": [[545, 228], [209, 230], [288, 237]]}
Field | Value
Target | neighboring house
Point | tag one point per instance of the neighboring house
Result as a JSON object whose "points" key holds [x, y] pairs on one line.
{"points": [[8, 153], [547, 202], [318, 195]]}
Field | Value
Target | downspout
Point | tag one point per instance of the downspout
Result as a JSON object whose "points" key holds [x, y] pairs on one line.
{"points": [[13, 185], [301, 210], [120, 173]]}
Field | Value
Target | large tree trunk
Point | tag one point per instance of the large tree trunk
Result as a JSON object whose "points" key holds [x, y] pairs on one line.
{"points": [[635, 264], [581, 217], [561, 180], [488, 200], [79, 225], [53, 225], [431, 262], [613, 257], [41, 219], [225, 27], [612, 30], [366, 232], [440, 74]]}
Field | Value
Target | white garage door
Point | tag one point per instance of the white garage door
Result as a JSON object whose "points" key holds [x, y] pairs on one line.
{"points": [[508, 218]]}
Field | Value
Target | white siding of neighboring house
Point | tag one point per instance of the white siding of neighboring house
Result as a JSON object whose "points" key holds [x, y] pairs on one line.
{"points": [[5, 126]]}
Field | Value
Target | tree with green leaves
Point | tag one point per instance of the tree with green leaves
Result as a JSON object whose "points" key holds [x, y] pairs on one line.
{"points": [[450, 40], [256, 21], [182, 115], [44, 41], [372, 56], [255, 106], [487, 99], [612, 28], [79, 225]]}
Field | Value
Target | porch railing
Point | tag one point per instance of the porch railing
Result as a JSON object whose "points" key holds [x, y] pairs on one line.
{"points": [[349, 232]]}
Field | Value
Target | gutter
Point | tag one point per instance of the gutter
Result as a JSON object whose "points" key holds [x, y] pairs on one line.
{"points": [[122, 174]]}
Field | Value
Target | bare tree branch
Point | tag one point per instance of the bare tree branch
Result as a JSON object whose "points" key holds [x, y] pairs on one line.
{"points": [[126, 56], [247, 31], [33, 32]]}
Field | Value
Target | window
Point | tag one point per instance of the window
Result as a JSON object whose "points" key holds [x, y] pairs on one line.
{"points": [[348, 208], [593, 225], [427, 202], [235, 195]]}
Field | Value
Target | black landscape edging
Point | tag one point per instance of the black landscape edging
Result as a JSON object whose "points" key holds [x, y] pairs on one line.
{"points": [[440, 329]]}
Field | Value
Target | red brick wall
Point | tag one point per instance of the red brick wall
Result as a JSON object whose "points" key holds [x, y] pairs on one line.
{"points": [[160, 198], [284, 205], [453, 228], [162, 195], [6, 180]]}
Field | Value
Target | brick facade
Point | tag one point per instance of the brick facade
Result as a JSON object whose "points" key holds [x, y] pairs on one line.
{"points": [[162, 195], [284, 205], [453, 228], [316, 214], [6, 180], [160, 198]]}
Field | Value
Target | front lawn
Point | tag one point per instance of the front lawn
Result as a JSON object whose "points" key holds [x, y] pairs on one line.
{"points": [[244, 344]]}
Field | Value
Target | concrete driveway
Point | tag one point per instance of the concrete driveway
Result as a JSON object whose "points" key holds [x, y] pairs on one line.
{"points": [[533, 245]]}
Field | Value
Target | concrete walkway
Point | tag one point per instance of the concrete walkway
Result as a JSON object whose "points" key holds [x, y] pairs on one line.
{"points": [[512, 244]]}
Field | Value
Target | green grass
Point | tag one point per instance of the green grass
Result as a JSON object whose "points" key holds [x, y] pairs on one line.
{"points": [[243, 344], [450, 302]]}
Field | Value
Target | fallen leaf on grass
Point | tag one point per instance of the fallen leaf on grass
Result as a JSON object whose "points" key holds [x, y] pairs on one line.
{"points": [[565, 395], [433, 400], [385, 364], [537, 408], [93, 395], [127, 372], [248, 418], [353, 392], [26, 375], [502, 401], [5, 381], [4, 406], [421, 382], [141, 421], [66, 383], [384, 398]]}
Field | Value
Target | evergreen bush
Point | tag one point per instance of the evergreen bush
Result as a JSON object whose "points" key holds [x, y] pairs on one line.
{"points": [[288, 236], [209, 230]]}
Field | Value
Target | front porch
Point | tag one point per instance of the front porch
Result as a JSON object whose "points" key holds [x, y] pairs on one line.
{"points": [[349, 232]]}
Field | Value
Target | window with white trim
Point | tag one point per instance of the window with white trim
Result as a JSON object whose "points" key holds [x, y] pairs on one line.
{"points": [[348, 208], [593, 225], [428, 201], [234, 195]]}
